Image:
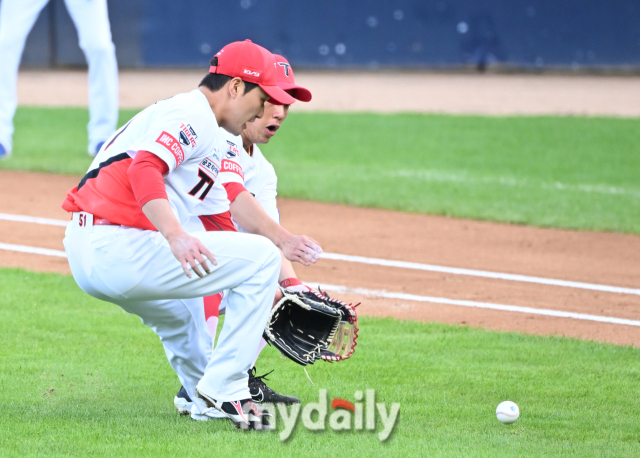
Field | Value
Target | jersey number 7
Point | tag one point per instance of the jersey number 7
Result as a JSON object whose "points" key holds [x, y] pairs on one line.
{"points": [[204, 179]]}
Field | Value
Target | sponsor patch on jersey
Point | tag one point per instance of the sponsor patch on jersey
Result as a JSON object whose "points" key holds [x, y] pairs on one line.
{"points": [[234, 167], [232, 151], [210, 167], [170, 142], [187, 135]]}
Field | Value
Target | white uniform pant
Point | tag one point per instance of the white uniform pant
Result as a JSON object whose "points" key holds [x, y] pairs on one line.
{"points": [[136, 270], [92, 22]]}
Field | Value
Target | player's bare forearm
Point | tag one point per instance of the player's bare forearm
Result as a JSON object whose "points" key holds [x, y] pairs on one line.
{"points": [[159, 213], [286, 272], [286, 269], [185, 248], [247, 212]]}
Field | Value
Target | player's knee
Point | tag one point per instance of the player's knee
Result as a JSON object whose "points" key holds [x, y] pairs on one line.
{"points": [[97, 48]]}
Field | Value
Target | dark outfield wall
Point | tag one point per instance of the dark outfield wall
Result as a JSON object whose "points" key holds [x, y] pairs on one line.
{"points": [[358, 33]]}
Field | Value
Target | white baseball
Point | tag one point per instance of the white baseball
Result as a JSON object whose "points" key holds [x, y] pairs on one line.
{"points": [[507, 412]]}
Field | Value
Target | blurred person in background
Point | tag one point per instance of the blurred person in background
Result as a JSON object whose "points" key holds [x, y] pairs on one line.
{"points": [[91, 19]]}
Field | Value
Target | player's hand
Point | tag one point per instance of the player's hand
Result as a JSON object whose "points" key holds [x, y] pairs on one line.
{"points": [[189, 251], [302, 249]]}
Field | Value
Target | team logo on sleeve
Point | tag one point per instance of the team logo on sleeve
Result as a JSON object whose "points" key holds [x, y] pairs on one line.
{"points": [[232, 151], [233, 167], [187, 135], [170, 142]]}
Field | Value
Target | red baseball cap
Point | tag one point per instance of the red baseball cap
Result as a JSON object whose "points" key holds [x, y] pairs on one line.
{"points": [[254, 64], [287, 82]]}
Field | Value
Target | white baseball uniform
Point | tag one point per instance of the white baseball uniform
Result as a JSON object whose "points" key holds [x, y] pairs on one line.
{"points": [[132, 265], [90, 17], [260, 179]]}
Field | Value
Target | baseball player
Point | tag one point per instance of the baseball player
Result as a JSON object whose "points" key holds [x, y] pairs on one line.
{"points": [[92, 22], [127, 242], [260, 185]]}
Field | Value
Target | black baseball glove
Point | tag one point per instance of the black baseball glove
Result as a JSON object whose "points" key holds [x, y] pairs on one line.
{"points": [[310, 325]]}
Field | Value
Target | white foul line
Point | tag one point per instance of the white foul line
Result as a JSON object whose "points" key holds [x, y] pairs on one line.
{"points": [[33, 250], [480, 273], [483, 305], [405, 265], [391, 295], [33, 219]]}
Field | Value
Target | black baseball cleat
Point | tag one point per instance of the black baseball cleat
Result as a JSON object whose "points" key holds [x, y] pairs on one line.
{"points": [[245, 413], [183, 402], [260, 392]]}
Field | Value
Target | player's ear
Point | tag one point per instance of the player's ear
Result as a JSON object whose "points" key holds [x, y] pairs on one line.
{"points": [[236, 87]]}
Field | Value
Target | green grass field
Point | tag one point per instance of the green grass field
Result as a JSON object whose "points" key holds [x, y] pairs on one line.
{"points": [[80, 377], [569, 172]]}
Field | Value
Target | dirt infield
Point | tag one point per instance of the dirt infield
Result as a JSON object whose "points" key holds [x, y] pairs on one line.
{"points": [[495, 94], [602, 258]]}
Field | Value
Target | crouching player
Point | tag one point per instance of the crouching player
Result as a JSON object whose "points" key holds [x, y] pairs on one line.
{"points": [[252, 203], [128, 242]]}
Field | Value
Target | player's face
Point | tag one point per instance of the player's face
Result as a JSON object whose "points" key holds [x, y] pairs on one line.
{"points": [[261, 130], [246, 108]]}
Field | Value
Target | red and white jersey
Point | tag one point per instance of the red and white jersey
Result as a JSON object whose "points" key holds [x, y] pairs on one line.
{"points": [[184, 133], [260, 180]]}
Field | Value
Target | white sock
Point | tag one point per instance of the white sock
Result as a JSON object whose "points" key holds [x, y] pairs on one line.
{"points": [[263, 343], [212, 325]]}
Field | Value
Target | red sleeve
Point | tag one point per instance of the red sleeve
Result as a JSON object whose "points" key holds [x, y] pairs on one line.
{"points": [[145, 175], [233, 189]]}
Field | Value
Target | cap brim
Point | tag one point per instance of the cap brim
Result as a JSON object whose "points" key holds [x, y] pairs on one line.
{"points": [[278, 96], [298, 92]]}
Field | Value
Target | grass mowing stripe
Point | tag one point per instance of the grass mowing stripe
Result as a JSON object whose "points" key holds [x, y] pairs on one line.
{"points": [[453, 177], [567, 172], [570, 172], [53, 140], [80, 377]]}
